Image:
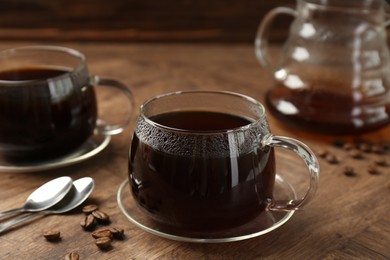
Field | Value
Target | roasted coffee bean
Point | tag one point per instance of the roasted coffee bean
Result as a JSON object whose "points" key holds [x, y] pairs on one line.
{"points": [[330, 158], [117, 233], [338, 143], [103, 242], [88, 222], [102, 232], [348, 146], [72, 256], [379, 149], [365, 147], [356, 154], [101, 216], [372, 169], [52, 235], [322, 153], [381, 161], [349, 171], [90, 208]]}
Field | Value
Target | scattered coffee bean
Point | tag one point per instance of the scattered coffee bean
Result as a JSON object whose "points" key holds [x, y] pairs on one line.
{"points": [[372, 169], [365, 147], [52, 235], [379, 149], [72, 256], [322, 153], [101, 216], [102, 232], [117, 233], [88, 222], [102, 236], [339, 143], [348, 146], [349, 171], [381, 161], [103, 242], [356, 154], [330, 158], [90, 208]]}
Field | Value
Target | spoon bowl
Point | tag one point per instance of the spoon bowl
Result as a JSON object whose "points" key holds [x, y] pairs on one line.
{"points": [[45, 196], [81, 189]]}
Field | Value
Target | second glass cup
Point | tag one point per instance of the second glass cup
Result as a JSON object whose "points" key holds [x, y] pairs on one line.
{"points": [[48, 105]]}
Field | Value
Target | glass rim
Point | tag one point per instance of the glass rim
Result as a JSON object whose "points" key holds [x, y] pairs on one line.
{"points": [[44, 48], [364, 8], [246, 98]]}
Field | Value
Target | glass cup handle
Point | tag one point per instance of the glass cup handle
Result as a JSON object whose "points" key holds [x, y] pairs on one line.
{"points": [[261, 40], [106, 129], [312, 164], [387, 15]]}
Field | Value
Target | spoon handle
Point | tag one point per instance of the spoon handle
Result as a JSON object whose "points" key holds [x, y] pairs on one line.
{"points": [[12, 211], [5, 226]]}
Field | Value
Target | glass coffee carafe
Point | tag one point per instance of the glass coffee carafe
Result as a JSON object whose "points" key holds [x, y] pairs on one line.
{"points": [[333, 72]]}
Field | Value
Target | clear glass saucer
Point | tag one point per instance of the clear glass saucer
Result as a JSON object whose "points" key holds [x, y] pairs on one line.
{"points": [[94, 145], [264, 223]]}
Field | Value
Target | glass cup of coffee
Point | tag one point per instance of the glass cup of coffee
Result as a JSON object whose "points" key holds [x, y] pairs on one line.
{"points": [[48, 105], [205, 161]]}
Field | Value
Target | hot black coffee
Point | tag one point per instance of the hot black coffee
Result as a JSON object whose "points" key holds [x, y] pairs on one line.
{"points": [[201, 191], [44, 112], [31, 73], [326, 112]]}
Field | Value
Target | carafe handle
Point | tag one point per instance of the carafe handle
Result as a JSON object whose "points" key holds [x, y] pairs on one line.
{"points": [[261, 41], [387, 22]]}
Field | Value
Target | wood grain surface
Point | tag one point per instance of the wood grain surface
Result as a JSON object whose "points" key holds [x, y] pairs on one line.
{"points": [[135, 20], [348, 218]]}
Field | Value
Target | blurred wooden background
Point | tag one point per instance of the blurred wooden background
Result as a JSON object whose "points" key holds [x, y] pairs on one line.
{"points": [[137, 20]]}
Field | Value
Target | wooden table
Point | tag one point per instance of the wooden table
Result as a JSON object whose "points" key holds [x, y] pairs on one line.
{"points": [[348, 218]]}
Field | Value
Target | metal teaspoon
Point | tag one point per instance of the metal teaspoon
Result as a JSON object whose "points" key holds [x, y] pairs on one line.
{"points": [[82, 188], [45, 196]]}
